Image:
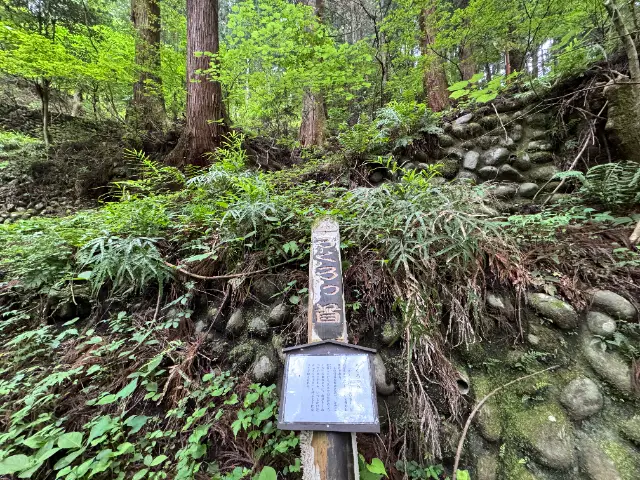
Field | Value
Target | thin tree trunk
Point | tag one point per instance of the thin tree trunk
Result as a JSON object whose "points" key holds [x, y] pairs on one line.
{"points": [[627, 39], [148, 100], [467, 65], [487, 72], [43, 89], [434, 80], [535, 60], [76, 107], [205, 113], [312, 126]]}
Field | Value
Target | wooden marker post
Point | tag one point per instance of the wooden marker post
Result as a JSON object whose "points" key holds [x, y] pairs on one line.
{"points": [[327, 455]]}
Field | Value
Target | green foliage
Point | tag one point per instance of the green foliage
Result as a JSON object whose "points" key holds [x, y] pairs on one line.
{"points": [[431, 472], [153, 177], [122, 263], [402, 122], [40, 439], [472, 91], [273, 52], [360, 138], [396, 125], [12, 141], [371, 471], [615, 185]]}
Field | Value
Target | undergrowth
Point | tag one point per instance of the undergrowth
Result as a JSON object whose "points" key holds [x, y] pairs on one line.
{"points": [[132, 392]]}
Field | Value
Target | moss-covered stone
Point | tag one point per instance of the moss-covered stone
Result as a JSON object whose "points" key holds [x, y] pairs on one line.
{"points": [[242, 355], [626, 460], [630, 429], [547, 433], [514, 467], [449, 168], [488, 419], [623, 119]]}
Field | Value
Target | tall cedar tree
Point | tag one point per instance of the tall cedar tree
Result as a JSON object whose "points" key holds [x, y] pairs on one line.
{"points": [[205, 126], [434, 80], [313, 109], [148, 102]]}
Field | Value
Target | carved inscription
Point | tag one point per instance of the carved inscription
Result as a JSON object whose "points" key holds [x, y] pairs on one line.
{"points": [[327, 306]]}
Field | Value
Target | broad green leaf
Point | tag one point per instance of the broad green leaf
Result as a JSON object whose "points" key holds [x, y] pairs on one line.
{"points": [[128, 389], [70, 440], [104, 424], [64, 461], [486, 97], [250, 399], [477, 77], [84, 275], [136, 422], [377, 467], [458, 86], [158, 460], [15, 463], [107, 399], [33, 442], [268, 473], [459, 94], [49, 453]]}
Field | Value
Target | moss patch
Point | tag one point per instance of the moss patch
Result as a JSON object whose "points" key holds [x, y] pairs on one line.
{"points": [[625, 460]]}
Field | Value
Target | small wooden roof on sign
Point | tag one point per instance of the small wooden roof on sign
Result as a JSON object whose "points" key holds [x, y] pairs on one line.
{"points": [[329, 347]]}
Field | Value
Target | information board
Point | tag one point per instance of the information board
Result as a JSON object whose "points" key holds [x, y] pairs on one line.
{"points": [[329, 392]]}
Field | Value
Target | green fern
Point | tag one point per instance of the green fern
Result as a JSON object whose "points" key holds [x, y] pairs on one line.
{"points": [[153, 177], [127, 264], [615, 185]]}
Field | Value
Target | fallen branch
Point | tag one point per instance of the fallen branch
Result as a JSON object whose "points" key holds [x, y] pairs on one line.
{"points": [[506, 135], [231, 275], [479, 406]]}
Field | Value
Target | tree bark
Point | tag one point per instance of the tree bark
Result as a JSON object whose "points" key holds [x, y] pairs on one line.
{"points": [[434, 80], [148, 101], [43, 89], [312, 126], [467, 65], [76, 104], [627, 39], [513, 60], [205, 126], [535, 60]]}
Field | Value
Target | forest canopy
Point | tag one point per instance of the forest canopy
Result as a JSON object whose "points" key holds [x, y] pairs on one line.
{"points": [[350, 56]]}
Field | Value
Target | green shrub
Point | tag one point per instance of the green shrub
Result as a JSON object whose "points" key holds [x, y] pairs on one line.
{"points": [[123, 263]]}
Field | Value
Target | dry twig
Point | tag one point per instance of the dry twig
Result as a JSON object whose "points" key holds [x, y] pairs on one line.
{"points": [[479, 406]]}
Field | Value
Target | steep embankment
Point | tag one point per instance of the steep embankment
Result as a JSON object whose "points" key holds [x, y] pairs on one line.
{"points": [[117, 363]]}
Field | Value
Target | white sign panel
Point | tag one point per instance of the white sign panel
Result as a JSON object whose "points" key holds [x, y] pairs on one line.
{"points": [[332, 389]]}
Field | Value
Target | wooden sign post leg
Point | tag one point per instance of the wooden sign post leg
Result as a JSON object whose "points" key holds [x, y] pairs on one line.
{"points": [[327, 455]]}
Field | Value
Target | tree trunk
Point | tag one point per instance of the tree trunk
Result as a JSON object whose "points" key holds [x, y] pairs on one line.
{"points": [[313, 122], [205, 126], [148, 110], [535, 60], [76, 105], [487, 72], [467, 65], [434, 80], [43, 90], [627, 39]]}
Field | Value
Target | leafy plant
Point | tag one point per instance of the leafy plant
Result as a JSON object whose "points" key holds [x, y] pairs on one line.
{"points": [[615, 185], [153, 177], [472, 90], [371, 471], [402, 122], [124, 263]]}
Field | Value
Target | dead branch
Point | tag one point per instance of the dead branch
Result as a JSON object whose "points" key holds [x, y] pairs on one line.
{"points": [[232, 275], [480, 405]]}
